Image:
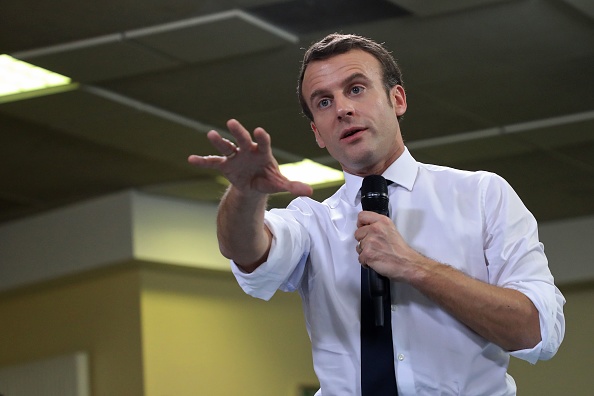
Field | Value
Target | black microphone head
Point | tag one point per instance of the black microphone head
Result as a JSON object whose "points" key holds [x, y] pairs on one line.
{"points": [[374, 194]]}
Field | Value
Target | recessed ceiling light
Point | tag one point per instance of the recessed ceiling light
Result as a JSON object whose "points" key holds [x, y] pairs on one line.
{"points": [[18, 78], [312, 173]]}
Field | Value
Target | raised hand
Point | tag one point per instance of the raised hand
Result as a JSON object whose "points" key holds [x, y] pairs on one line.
{"points": [[249, 166]]}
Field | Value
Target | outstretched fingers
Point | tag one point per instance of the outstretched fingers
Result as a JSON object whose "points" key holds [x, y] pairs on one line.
{"points": [[254, 167]]}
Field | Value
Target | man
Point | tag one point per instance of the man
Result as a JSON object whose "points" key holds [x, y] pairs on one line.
{"points": [[469, 281]]}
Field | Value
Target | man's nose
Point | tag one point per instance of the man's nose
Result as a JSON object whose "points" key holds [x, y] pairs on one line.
{"points": [[344, 108]]}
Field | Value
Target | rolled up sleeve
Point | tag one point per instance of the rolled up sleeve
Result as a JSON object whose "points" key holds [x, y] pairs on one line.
{"points": [[517, 261], [286, 260]]}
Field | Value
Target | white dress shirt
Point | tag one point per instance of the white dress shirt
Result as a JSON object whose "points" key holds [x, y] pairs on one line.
{"points": [[472, 221]]}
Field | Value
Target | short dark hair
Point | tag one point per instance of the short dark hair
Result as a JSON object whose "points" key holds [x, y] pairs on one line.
{"points": [[336, 44]]}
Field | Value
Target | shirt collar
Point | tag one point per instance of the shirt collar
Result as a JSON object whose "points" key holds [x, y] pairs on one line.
{"points": [[402, 172]]}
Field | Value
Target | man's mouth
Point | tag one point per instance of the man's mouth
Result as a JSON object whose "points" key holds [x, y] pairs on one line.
{"points": [[351, 131]]}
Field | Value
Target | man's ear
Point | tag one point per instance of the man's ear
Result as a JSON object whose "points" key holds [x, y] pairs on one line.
{"points": [[319, 139], [398, 98]]}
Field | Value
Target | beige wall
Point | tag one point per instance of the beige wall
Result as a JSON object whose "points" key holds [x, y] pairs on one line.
{"points": [[203, 336], [199, 334], [97, 314]]}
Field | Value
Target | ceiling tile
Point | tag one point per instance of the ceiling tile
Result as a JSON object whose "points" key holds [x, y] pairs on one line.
{"points": [[437, 7], [584, 6], [111, 124], [99, 59], [212, 37], [43, 168]]}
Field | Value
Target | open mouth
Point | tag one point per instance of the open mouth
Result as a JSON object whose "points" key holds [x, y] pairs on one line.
{"points": [[351, 132]]}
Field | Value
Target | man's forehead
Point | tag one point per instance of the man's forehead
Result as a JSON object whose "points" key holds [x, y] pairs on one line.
{"points": [[352, 56], [340, 66]]}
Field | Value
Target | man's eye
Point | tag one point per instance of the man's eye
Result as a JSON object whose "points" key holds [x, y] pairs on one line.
{"points": [[324, 103], [357, 90]]}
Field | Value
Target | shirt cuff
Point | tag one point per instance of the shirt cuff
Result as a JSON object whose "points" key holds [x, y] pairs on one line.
{"points": [[285, 264], [549, 302]]}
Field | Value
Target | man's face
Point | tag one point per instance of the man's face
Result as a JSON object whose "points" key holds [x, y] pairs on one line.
{"points": [[354, 119]]}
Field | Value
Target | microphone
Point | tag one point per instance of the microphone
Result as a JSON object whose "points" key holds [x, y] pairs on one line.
{"points": [[374, 198]]}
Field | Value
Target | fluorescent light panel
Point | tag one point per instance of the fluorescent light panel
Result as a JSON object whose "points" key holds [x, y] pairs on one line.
{"points": [[306, 171], [18, 77], [312, 173]]}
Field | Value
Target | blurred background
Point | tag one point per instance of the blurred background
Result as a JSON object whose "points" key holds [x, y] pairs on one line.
{"points": [[109, 266]]}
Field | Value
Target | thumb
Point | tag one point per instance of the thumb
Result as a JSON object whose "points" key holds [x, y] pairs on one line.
{"points": [[299, 188]]}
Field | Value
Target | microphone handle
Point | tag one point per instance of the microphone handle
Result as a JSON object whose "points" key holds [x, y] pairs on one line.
{"points": [[378, 285]]}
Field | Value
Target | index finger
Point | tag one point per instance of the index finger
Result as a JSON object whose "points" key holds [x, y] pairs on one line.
{"points": [[366, 217], [241, 135], [262, 138], [224, 146]]}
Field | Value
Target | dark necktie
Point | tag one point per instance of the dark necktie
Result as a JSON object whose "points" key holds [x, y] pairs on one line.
{"points": [[377, 352]]}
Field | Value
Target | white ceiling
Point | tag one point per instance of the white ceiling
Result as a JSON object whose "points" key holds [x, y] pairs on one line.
{"points": [[506, 86]]}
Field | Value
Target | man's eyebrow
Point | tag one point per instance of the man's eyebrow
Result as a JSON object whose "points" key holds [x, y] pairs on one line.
{"points": [[353, 77], [346, 81]]}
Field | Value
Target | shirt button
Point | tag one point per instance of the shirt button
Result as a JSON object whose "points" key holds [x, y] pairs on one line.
{"points": [[400, 357]]}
